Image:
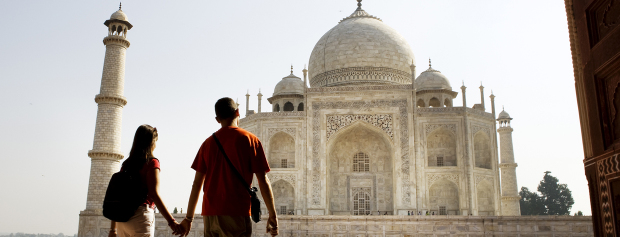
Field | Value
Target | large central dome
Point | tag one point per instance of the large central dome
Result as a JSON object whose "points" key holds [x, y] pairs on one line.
{"points": [[360, 50]]}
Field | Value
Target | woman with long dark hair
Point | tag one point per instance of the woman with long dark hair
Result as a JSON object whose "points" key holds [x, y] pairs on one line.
{"points": [[141, 159]]}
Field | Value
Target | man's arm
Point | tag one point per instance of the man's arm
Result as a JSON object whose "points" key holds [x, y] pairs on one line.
{"points": [[265, 191], [199, 179]]}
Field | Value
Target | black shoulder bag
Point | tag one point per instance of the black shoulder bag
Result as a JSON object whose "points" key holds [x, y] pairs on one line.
{"points": [[255, 203]]}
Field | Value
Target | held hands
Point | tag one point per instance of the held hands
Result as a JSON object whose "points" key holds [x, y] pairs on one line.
{"points": [[187, 226], [177, 229], [272, 225], [112, 233]]}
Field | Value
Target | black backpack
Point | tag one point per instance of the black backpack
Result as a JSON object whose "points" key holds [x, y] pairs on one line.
{"points": [[126, 192]]}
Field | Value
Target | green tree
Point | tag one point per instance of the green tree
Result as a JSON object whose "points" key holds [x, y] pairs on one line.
{"points": [[557, 197], [554, 198], [578, 213], [531, 203], [175, 211]]}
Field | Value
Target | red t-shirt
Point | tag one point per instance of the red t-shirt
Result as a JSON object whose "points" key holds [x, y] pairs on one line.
{"points": [[224, 193], [150, 165]]}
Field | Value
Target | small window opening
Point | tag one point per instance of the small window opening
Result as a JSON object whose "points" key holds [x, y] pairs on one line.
{"points": [[361, 162], [282, 210], [440, 161], [283, 163], [442, 210]]}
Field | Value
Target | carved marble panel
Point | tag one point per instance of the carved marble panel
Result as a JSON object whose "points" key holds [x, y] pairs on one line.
{"points": [[381, 121]]}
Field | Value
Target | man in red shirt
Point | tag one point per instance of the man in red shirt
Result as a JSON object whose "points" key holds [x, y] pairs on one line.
{"points": [[226, 203]]}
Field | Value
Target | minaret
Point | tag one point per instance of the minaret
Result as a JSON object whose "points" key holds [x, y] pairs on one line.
{"points": [[492, 103], [482, 96], [510, 195], [260, 97], [106, 153], [247, 103], [464, 97], [305, 71]]}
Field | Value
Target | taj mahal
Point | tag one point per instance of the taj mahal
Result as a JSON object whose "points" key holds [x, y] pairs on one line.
{"points": [[363, 144], [369, 136]]}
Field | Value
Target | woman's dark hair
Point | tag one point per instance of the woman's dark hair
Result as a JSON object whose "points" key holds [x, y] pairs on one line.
{"points": [[142, 148]]}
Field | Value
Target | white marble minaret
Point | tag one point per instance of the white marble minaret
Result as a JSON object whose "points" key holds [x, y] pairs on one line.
{"points": [[510, 191], [106, 153]]}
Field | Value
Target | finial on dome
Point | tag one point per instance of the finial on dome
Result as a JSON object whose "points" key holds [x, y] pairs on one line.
{"points": [[120, 5], [359, 3], [291, 68], [429, 62]]}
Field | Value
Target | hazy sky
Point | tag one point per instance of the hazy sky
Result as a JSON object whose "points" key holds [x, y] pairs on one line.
{"points": [[184, 55]]}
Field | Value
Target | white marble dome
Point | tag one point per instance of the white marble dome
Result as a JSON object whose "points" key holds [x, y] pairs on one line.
{"points": [[119, 15], [432, 79], [289, 85], [360, 50]]}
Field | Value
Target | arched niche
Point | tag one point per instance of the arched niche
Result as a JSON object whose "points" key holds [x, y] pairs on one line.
{"points": [[441, 148], [359, 140], [482, 150], [281, 151], [444, 197], [276, 108], [434, 102], [485, 198], [284, 197], [421, 103], [300, 107], [288, 106]]}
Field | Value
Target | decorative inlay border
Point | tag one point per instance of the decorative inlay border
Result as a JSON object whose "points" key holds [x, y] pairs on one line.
{"points": [[476, 128], [316, 141], [290, 178], [360, 88], [432, 127], [381, 121], [606, 166], [432, 178], [360, 74], [289, 131], [479, 178]]}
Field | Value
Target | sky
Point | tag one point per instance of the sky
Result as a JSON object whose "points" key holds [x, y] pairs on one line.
{"points": [[184, 55]]}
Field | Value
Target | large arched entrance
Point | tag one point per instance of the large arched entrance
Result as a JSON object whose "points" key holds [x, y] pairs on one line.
{"points": [[359, 171]]}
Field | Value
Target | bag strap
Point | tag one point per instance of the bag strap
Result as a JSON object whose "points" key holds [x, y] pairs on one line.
{"points": [[246, 186]]}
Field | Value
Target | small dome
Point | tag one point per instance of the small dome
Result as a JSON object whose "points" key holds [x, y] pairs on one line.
{"points": [[119, 15], [432, 79], [289, 85], [503, 115]]}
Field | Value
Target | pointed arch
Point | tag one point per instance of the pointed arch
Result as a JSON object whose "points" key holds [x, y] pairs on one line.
{"points": [[447, 102], [434, 102], [288, 106], [420, 103], [441, 148], [284, 196], [482, 150], [342, 181], [281, 151], [276, 108], [300, 107], [444, 197]]}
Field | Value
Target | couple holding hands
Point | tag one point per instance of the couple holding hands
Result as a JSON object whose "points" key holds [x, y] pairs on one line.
{"points": [[226, 203]]}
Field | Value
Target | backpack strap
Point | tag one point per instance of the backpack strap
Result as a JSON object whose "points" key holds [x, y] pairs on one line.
{"points": [[246, 186]]}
